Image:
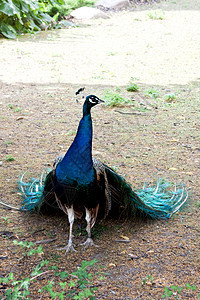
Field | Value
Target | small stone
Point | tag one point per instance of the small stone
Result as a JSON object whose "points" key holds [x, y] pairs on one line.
{"points": [[88, 13], [113, 4]]}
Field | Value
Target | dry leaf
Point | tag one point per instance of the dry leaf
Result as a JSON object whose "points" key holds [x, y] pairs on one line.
{"points": [[125, 237], [19, 118], [112, 265]]}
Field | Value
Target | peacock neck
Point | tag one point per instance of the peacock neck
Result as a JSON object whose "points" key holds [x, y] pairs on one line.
{"points": [[86, 110], [77, 163]]}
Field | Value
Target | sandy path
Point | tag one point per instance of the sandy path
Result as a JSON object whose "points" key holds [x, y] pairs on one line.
{"points": [[129, 44]]}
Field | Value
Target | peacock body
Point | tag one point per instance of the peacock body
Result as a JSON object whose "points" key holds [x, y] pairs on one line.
{"points": [[81, 185]]}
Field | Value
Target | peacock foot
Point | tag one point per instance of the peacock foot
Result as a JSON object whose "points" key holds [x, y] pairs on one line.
{"points": [[89, 242], [68, 248]]}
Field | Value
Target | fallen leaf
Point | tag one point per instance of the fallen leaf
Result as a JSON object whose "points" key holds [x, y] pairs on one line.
{"points": [[150, 251], [125, 237], [188, 173], [112, 265], [19, 118]]}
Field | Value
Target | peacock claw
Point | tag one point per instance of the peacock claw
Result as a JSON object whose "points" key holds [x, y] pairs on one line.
{"points": [[68, 248], [89, 242]]}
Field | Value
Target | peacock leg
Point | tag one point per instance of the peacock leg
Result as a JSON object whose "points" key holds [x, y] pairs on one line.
{"points": [[69, 247], [89, 241]]}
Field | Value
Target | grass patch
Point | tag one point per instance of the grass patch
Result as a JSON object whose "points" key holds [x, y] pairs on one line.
{"points": [[114, 99], [156, 15], [76, 285], [9, 158], [132, 87], [175, 291], [152, 93], [169, 97]]}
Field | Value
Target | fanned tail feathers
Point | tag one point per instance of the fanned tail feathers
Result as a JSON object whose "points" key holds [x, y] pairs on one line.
{"points": [[158, 202], [33, 191]]}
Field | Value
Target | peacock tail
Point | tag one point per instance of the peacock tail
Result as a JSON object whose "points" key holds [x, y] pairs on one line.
{"points": [[33, 191], [159, 201]]}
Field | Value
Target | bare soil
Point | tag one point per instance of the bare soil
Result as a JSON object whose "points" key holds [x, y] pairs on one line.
{"points": [[153, 138]]}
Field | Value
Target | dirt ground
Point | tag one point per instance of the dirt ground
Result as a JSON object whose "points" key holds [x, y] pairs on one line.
{"points": [[153, 138]]}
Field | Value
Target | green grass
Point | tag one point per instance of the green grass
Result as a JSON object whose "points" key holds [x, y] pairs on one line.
{"points": [[8, 142], [75, 285], [6, 220], [71, 132], [156, 15], [132, 87], [169, 97], [175, 291], [148, 278], [96, 231], [16, 109], [152, 93], [197, 204], [114, 99], [9, 158]]}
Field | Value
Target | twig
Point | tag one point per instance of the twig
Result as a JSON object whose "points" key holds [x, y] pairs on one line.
{"points": [[10, 207], [129, 113], [73, 276], [36, 231], [123, 241], [45, 241], [138, 296], [40, 274]]}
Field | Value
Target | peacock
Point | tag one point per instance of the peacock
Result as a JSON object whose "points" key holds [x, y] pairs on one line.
{"points": [[81, 185]]}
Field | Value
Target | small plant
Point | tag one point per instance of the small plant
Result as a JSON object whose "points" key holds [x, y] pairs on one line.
{"points": [[152, 93], [71, 132], [17, 109], [156, 15], [19, 289], [197, 204], [112, 53], [6, 219], [8, 142], [97, 230], [115, 168], [132, 87], [114, 99], [82, 281], [169, 97], [11, 106], [9, 158], [78, 286], [148, 279], [28, 245], [175, 290]]}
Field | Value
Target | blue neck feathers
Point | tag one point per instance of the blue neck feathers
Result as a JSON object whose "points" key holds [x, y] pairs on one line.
{"points": [[77, 165]]}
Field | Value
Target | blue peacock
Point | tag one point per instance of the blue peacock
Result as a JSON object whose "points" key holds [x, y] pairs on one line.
{"points": [[81, 185]]}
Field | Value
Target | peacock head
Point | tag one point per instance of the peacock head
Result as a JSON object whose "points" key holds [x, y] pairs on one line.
{"points": [[90, 101]]}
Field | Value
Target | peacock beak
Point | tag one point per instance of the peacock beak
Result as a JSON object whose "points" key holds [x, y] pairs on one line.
{"points": [[100, 101]]}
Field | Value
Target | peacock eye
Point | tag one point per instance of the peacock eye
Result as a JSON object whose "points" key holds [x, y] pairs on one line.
{"points": [[92, 100]]}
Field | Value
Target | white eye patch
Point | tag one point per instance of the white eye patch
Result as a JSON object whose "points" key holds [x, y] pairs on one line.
{"points": [[92, 101]]}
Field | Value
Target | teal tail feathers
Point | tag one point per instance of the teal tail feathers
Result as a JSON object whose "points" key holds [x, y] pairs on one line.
{"points": [[158, 202], [33, 191]]}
